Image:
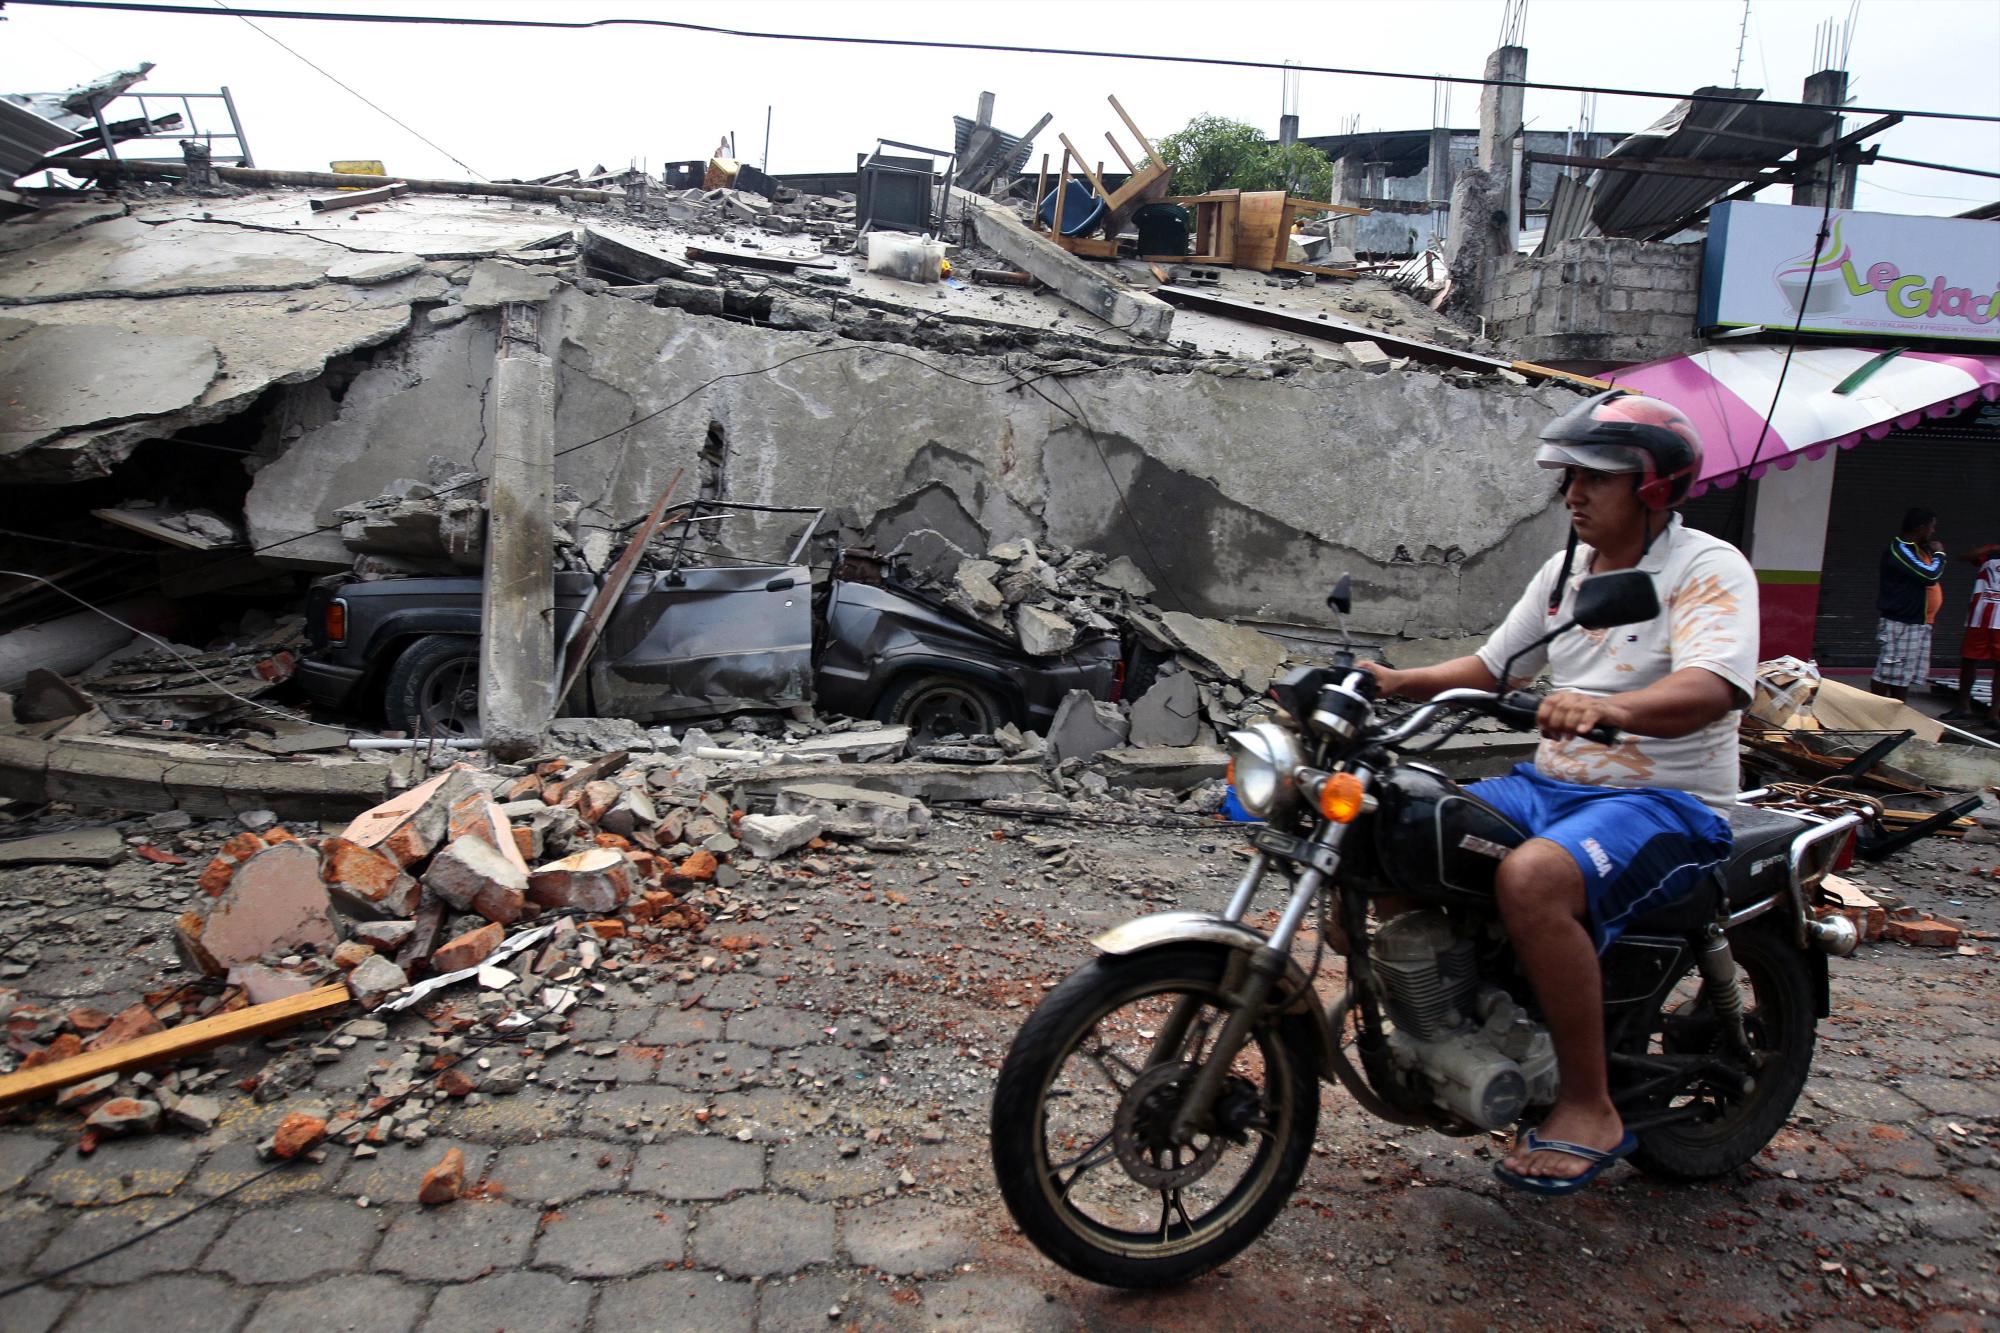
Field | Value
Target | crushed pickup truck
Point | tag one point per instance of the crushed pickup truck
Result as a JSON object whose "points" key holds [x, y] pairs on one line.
{"points": [[699, 633]]}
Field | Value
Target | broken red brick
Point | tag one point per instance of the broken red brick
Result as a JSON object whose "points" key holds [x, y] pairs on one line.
{"points": [[598, 797], [525, 788], [215, 876], [1926, 934], [610, 928], [468, 949], [278, 833], [136, 1021], [297, 1133], [187, 942], [350, 954], [366, 883], [455, 1083], [697, 869], [242, 847], [148, 852], [85, 1019], [444, 1182], [63, 1047], [652, 903], [524, 843], [410, 827], [612, 842]]}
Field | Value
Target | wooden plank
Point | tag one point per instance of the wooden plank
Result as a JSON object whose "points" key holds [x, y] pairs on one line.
{"points": [[1090, 247], [1260, 235], [1299, 205], [1095, 183], [1137, 133], [1120, 151], [1546, 372], [1319, 270], [381, 194], [173, 1044], [576, 653]]}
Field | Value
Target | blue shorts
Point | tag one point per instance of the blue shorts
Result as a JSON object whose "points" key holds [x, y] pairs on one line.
{"points": [[1640, 849]]}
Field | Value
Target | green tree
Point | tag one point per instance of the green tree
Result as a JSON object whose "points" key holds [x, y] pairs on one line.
{"points": [[1215, 153]]}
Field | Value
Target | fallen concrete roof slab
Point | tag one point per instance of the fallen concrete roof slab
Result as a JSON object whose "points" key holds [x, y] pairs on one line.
{"points": [[925, 782], [132, 780], [437, 227], [1178, 767], [59, 377]]}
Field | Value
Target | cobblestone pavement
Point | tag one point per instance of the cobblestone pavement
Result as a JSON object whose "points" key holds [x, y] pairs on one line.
{"points": [[799, 1144]]}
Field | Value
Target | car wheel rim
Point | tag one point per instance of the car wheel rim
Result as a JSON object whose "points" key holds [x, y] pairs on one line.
{"points": [[947, 712], [449, 702]]}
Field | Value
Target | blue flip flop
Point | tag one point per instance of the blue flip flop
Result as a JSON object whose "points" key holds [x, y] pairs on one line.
{"points": [[1599, 1161]]}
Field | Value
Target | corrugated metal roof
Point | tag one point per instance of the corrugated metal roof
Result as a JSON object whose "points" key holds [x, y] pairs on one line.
{"points": [[1569, 212], [1635, 203], [25, 139]]}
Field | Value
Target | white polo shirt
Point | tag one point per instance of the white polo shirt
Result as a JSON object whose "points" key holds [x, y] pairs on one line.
{"points": [[1708, 600]]}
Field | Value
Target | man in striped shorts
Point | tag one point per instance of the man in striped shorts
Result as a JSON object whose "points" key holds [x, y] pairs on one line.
{"points": [[1982, 634], [1911, 566]]}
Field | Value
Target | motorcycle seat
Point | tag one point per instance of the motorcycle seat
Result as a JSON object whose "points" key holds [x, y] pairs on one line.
{"points": [[1757, 868]]}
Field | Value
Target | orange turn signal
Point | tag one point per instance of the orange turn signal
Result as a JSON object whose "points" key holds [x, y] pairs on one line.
{"points": [[1340, 797], [336, 621]]}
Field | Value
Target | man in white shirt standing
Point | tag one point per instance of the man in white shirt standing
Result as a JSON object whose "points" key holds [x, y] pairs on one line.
{"points": [[1614, 831]]}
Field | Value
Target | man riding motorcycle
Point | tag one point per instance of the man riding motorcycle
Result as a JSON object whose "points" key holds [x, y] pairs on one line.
{"points": [[1615, 830]]}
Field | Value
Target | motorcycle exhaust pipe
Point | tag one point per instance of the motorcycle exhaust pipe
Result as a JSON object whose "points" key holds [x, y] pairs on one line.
{"points": [[1835, 935]]}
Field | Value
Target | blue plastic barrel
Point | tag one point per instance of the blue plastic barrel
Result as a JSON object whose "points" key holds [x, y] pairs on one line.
{"points": [[1082, 210]]}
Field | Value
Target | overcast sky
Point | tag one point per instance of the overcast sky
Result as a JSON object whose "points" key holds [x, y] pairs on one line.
{"points": [[527, 103]]}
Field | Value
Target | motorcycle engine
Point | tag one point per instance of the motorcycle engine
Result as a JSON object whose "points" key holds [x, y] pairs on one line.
{"points": [[1485, 1059]]}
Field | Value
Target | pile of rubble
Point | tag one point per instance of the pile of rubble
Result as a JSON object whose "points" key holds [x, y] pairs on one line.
{"points": [[1210, 674], [438, 526], [531, 885]]}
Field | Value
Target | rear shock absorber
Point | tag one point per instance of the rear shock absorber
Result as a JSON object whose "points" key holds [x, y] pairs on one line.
{"points": [[1718, 975]]}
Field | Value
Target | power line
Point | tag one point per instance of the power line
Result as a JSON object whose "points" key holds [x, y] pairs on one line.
{"points": [[348, 87], [142, 7]]}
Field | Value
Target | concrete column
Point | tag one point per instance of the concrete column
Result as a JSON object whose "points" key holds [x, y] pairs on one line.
{"points": [[1787, 547], [1437, 174], [1826, 88], [517, 649], [1500, 108]]}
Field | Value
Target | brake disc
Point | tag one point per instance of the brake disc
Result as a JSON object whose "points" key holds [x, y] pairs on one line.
{"points": [[1141, 1131]]}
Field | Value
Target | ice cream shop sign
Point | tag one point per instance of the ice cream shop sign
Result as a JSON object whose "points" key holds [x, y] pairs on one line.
{"points": [[1881, 275]]}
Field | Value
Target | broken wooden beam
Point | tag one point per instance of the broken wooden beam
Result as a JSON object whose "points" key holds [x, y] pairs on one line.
{"points": [[381, 194], [173, 1044]]}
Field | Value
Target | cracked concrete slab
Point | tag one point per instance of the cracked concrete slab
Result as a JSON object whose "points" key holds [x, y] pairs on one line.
{"points": [[126, 257], [435, 227], [27, 232], [261, 338], [61, 378]]}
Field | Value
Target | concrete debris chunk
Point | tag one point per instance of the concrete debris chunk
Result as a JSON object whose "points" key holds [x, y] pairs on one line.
{"points": [[275, 902], [1043, 633], [1121, 575], [375, 981], [384, 936], [768, 837], [1084, 727], [125, 1115], [474, 875], [197, 1113], [598, 880], [974, 586], [83, 847], [495, 282], [1169, 713], [1232, 652]]}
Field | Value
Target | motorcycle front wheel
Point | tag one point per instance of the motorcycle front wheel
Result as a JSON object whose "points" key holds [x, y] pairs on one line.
{"points": [[1084, 1100]]}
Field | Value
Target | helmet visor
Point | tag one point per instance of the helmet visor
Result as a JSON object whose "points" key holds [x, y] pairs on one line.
{"points": [[1590, 457]]}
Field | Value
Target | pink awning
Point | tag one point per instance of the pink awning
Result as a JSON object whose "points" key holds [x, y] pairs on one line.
{"points": [[1726, 392]]}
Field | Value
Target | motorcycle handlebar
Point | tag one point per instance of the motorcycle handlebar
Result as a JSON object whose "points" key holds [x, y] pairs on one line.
{"points": [[1517, 708]]}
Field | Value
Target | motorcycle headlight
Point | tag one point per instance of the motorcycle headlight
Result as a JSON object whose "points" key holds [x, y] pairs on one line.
{"points": [[1262, 761]]}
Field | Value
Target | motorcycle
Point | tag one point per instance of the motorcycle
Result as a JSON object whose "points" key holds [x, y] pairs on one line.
{"points": [[1156, 1110]]}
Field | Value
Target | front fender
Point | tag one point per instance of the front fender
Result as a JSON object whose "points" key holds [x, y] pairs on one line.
{"points": [[1169, 928]]}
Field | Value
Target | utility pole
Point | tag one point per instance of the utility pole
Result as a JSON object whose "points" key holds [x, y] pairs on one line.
{"points": [[765, 163]]}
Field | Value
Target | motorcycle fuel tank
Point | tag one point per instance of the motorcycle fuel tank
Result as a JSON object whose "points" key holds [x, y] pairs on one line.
{"points": [[1434, 842]]}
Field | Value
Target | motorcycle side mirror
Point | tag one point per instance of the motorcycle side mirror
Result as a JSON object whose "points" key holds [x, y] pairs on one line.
{"points": [[1624, 597], [1341, 599]]}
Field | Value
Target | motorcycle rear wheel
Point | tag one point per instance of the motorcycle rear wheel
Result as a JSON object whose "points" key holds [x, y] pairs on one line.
{"points": [[1086, 1209], [1779, 1018]]}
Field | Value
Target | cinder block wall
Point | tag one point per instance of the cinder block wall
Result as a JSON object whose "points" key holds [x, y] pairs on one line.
{"points": [[1597, 298]]}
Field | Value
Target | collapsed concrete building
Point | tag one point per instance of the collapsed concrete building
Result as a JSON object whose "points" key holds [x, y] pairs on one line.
{"points": [[248, 356]]}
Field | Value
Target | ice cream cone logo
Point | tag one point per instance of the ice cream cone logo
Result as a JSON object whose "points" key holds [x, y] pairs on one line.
{"points": [[1811, 281]]}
